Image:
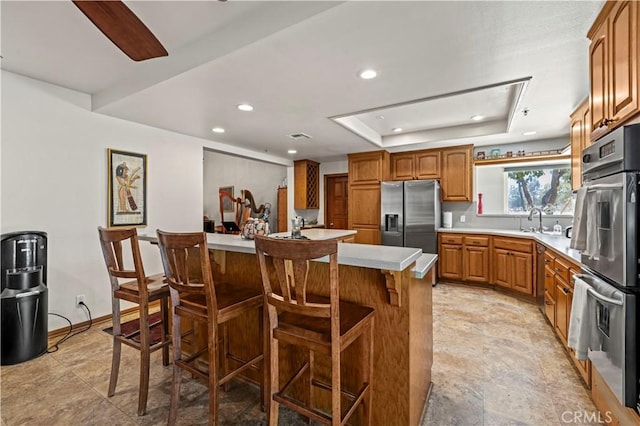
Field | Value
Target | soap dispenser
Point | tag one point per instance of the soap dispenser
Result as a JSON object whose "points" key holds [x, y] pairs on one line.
{"points": [[557, 229]]}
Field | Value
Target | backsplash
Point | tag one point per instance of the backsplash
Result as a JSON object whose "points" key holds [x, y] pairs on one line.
{"points": [[472, 220]]}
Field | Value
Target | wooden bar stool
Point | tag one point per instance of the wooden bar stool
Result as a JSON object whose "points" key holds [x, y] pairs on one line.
{"points": [[142, 291], [195, 297], [318, 324]]}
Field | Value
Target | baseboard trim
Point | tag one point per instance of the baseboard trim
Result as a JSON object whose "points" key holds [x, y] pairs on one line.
{"points": [[59, 332]]}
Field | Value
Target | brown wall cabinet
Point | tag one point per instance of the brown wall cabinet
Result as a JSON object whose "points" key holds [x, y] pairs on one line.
{"points": [[415, 165], [580, 138], [306, 174], [456, 180], [613, 66]]}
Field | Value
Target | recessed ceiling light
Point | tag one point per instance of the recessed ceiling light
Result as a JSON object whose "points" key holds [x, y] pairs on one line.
{"points": [[245, 107], [368, 74], [477, 117], [533, 132], [396, 129], [380, 117], [217, 130], [292, 151]]}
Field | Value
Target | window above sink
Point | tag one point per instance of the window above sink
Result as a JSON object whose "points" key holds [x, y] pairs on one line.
{"points": [[513, 189]]}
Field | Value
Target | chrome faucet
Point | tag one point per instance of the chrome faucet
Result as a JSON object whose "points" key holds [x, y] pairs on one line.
{"points": [[533, 210]]}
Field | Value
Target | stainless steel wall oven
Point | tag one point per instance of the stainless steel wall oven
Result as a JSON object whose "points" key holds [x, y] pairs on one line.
{"points": [[611, 177]]}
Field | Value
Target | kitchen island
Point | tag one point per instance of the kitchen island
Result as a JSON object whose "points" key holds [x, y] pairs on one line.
{"points": [[396, 281]]}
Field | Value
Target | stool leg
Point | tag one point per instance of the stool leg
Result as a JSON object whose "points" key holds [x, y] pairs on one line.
{"points": [[164, 314], [145, 358], [225, 355], [117, 347], [336, 411], [311, 399], [368, 373], [177, 373], [264, 364], [213, 373], [274, 380]]}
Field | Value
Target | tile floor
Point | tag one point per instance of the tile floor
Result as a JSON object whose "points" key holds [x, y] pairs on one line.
{"points": [[496, 362]]}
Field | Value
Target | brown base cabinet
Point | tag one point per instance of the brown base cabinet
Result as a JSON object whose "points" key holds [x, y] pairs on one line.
{"points": [[464, 257], [558, 284], [513, 264]]}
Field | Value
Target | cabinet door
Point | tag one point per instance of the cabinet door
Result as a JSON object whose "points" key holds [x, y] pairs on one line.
{"points": [[402, 166], [501, 267], [364, 206], [550, 310], [522, 272], [456, 184], [583, 366], [366, 236], [562, 313], [450, 261], [427, 165], [598, 72], [549, 282], [368, 168], [364, 213], [476, 264], [623, 61], [282, 210]]}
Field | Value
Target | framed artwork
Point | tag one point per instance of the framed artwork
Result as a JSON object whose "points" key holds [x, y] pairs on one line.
{"points": [[127, 188], [227, 204]]}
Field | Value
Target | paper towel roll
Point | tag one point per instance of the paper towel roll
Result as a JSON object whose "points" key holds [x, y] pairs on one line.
{"points": [[447, 219]]}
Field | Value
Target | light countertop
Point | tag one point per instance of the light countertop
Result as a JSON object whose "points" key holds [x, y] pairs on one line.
{"points": [[559, 243], [362, 255], [423, 264]]}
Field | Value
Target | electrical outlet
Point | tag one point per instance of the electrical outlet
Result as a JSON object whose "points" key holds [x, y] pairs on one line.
{"points": [[79, 298], [463, 218]]}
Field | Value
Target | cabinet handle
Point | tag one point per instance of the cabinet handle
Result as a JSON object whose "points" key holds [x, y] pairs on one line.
{"points": [[548, 276], [547, 303], [565, 290]]}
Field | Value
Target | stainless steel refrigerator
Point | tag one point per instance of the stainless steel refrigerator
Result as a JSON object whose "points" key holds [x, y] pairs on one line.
{"points": [[411, 214]]}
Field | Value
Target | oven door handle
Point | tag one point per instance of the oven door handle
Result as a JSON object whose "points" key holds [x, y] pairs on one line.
{"points": [[603, 298], [592, 188], [597, 295]]}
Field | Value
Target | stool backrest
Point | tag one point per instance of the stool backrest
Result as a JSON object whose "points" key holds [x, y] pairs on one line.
{"points": [[185, 257], [114, 243], [290, 260]]}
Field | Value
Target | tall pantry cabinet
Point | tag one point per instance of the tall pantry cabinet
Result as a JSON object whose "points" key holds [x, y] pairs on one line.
{"points": [[366, 171]]}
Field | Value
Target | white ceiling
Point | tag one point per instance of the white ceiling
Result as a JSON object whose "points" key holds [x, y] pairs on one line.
{"points": [[297, 62]]}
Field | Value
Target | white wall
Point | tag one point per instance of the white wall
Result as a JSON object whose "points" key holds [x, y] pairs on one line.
{"points": [[261, 178], [53, 179]]}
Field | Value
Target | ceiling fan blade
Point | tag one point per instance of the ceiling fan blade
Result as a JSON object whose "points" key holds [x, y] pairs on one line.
{"points": [[123, 28]]}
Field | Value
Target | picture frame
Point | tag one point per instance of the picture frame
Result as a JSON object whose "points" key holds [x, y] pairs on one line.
{"points": [[227, 204], [127, 192]]}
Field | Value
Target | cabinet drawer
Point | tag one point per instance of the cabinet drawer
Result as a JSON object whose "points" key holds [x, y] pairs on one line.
{"points": [[450, 239], [513, 244], [549, 258], [562, 269], [477, 241]]}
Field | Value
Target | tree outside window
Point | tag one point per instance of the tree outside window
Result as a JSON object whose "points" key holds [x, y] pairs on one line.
{"points": [[547, 188]]}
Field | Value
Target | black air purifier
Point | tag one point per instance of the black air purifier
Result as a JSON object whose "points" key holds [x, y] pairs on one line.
{"points": [[24, 296]]}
